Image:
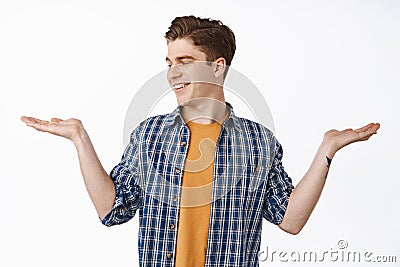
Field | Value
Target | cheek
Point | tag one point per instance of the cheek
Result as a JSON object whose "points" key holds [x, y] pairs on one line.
{"points": [[200, 72]]}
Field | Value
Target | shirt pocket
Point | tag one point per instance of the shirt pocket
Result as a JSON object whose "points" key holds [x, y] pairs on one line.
{"points": [[258, 177], [255, 176]]}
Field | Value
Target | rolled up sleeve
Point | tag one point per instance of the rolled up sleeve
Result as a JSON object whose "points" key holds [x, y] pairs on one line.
{"points": [[128, 192], [279, 188]]}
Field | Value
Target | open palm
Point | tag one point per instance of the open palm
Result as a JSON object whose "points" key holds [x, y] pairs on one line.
{"points": [[66, 128], [340, 139]]}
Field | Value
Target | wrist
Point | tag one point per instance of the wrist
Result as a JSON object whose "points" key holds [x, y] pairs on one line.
{"points": [[80, 136], [328, 149]]}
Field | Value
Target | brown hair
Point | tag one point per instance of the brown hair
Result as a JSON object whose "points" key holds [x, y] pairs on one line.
{"points": [[212, 37]]}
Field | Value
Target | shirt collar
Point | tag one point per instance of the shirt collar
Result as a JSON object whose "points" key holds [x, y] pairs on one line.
{"points": [[175, 118]]}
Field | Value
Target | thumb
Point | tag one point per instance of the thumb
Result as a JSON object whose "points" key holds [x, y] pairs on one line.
{"points": [[56, 120]]}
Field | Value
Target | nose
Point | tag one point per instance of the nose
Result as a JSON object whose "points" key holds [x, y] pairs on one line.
{"points": [[173, 72]]}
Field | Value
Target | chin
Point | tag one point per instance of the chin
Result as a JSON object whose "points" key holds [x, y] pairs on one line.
{"points": [[183, 100]]}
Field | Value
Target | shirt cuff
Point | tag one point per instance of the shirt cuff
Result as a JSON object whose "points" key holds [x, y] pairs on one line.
{"points": [[110, 218]]}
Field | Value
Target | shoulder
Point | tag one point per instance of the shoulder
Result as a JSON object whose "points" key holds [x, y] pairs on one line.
{"points": [[154, 120], [151, 124], [259, 135], [256, 129]]}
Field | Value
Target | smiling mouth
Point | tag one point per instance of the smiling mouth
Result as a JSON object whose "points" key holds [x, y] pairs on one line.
{"points": [[180, 86]]}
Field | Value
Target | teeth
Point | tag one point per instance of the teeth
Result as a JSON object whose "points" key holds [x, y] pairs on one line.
{"points": [[178, 86]]}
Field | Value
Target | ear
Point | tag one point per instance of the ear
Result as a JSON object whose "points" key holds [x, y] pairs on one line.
{"points": [[219, 65]]}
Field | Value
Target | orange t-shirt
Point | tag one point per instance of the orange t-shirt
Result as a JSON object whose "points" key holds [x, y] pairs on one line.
{"points": [[195, 202]]}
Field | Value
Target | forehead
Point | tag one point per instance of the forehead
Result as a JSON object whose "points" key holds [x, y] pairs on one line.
{"points": [[184, 47]]}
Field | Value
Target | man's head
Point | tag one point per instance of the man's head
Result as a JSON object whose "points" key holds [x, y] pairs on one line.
{"points": [[199, 53]]}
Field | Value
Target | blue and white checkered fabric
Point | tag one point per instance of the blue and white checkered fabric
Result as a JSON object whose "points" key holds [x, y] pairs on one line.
{"points": [[249, 184]]}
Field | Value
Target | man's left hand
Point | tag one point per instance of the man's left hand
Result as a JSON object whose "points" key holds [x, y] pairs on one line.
{"points": [[339, 139]]}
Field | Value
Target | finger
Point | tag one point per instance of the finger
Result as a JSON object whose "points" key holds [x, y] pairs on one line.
{"points": [[378, 126], [33, 122], [373, 128], [29, 119], [56, 120], [40, 125], [39, 122], [368, 132], [364, 128]]}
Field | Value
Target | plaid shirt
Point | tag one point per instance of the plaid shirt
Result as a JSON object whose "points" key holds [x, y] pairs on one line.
{"points": [[249, 184]]}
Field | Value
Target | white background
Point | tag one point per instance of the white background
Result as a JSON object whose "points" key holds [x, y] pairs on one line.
{"points": [[319, 64]]}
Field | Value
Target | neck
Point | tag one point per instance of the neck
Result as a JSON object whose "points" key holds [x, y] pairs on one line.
{"points": [[205, 110]]}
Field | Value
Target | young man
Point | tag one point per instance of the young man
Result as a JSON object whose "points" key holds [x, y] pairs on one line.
{"points": [[201, 177]]}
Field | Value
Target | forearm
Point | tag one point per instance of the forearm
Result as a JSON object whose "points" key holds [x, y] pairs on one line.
{"points": [[98, 183], [305, 196]]}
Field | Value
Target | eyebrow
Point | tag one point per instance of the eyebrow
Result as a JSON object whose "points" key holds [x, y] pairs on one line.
{"points": [[180, 58]]}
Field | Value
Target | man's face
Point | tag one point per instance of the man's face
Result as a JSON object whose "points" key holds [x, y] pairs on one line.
{"points": [[188, 73]]}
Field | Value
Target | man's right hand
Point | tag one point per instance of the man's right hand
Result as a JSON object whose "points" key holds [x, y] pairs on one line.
{"points": [[69, 129], [98, 183]]}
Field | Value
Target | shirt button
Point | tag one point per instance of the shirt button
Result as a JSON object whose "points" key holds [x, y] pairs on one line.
{"points": [[169, 255], [174, 198], [183, 143], [177, 170], [171, 226]]}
